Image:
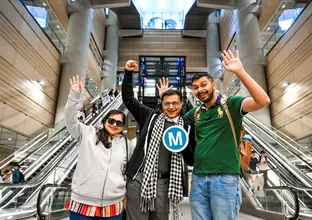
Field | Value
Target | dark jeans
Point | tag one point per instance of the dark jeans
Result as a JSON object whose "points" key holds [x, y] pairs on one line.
{"points": [[133, 200], [76, 216]]}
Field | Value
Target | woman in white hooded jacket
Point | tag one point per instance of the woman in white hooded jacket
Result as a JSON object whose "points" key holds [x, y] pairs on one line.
{"points": [[99, 181]]}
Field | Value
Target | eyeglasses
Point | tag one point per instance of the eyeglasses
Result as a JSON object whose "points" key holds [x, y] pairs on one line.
{"points": [[112, 121], [175, 104]]}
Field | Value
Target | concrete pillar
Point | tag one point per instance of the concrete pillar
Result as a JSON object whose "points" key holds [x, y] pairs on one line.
{"points": [[110, 62], [251, 55], [213, 51], [75, 58]]}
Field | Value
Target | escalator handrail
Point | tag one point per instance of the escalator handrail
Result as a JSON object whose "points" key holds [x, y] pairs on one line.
{"points": [[42, 189], [303, 178], [268, 131]]}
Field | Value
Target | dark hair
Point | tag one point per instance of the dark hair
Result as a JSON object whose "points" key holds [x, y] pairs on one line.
{"points": [[253, 151], [262, 152], [200, 75], [102, 134], [171, 92]]}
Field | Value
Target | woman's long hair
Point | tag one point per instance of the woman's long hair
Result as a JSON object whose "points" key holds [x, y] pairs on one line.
{"points": [[102, 134]]}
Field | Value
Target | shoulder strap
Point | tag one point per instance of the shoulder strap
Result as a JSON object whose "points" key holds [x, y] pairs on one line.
{"points": [[127, 152], [226, 108]]}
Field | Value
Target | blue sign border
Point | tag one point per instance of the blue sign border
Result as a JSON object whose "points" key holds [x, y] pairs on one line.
{"points": [[183, 130]]}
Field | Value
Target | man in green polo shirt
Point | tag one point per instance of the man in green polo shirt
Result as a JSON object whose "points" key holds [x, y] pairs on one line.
{"points": [[215, 192]]}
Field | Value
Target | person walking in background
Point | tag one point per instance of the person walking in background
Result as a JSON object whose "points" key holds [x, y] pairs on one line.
{"points": [[99, 181]]}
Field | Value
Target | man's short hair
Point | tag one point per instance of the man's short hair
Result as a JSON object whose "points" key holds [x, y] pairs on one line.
{"points": [[200, 75], [171, 92], [253, 152]]}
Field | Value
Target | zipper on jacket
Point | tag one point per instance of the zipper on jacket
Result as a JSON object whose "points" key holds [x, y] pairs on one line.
{"points": [[110, 158], [145, 146]]}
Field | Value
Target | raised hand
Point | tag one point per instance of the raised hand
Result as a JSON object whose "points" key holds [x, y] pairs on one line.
{"points": [[230, 62], [76, 84], [164, 84], [132, 65]]}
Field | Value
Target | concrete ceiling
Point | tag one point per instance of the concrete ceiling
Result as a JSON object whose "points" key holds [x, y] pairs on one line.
{"points": [[128, 17], [196, 17]]}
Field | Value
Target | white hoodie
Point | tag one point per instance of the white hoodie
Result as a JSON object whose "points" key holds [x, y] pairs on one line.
{"points": [[99, 178]]}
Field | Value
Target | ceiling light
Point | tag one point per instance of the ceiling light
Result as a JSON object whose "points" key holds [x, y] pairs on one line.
{"points": [[268, 28], [96, 87], [58, 26], [72, 0], [306, 147], [91, 79], [44, 4], [10, 139], [227, 88], [283, 6], [285, 84]]}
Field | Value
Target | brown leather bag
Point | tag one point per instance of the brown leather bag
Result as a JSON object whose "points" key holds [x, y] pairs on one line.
{"points": [[244, 147]]}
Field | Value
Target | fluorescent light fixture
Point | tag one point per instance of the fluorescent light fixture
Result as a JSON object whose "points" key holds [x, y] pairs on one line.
{"points": [[285, 84]]}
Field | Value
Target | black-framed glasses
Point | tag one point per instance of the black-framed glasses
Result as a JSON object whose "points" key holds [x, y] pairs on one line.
{"points": [[175, 104], [113, 121]]}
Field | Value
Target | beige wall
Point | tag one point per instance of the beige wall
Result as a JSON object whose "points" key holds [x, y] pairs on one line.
{"points": [[27, 56], [268, 8], [164, 43], [228, 20], [290, 61]]}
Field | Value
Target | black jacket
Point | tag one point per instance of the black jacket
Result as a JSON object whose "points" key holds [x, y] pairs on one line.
{"points": [[146, 116]]}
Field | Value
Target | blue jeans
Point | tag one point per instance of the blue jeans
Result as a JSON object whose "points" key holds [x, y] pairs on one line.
{"points": [[216, 197], [77, 216]]}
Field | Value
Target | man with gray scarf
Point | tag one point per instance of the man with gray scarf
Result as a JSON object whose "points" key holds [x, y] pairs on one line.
{"points": [[154, 173]]}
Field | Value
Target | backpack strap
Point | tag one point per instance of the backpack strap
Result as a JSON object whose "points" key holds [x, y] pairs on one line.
{"points": [[226, 108], [197, 113]]}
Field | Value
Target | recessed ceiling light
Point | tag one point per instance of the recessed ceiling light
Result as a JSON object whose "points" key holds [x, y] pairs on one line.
{"points": [[306, 147], [44, 4], [91, 79], [268, 28], [10, 139], [285, 84], [58, 26], [283, 6], [227, 88], [96, 87]]}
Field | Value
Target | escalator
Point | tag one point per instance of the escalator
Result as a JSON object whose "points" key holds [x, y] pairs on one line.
{"points": [[39, 157]]}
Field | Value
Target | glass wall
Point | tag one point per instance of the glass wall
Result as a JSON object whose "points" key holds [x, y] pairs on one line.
{"points": [[163, 14], [285, 15], [11, 140], [43, 14]]}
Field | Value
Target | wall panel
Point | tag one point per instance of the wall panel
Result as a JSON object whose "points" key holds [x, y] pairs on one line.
{"points": [[290, 61], [26, 57], [164, 43]]}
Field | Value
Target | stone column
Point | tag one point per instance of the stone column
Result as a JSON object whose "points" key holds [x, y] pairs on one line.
{"points": [[213, 51], [75, 58], [110, 62], [251, 55]]}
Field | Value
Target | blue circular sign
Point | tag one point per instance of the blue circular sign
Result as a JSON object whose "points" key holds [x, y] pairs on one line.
{"points": [[175, 138]]}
